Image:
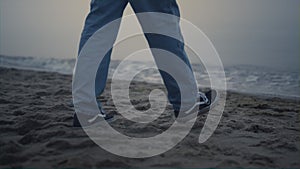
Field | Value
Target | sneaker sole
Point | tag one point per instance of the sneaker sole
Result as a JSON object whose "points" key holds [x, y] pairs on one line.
{"points": [[188, 118], [94, 124]]}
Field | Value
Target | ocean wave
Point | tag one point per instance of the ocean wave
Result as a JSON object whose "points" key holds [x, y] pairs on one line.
{"points": [[241, 78]]}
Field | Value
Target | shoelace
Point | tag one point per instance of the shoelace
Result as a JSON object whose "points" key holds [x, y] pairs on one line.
{"points": [[198, 103], [203, 97]]}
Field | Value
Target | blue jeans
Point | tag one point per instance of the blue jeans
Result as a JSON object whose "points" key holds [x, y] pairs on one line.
{"points": [[103, 12]]}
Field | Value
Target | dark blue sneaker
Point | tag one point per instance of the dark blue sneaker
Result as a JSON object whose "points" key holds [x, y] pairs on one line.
{"points": [[89, 120], [206, 101]]}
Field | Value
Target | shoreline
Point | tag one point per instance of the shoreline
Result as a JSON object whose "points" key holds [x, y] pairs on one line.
{"points": [[36, 129], [253, 79], [262, 95]]}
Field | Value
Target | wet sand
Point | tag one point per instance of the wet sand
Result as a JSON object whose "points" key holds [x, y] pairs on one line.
{"points": [[36, 129]]}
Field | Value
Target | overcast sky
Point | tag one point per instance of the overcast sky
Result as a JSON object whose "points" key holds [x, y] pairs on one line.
{"points": [[259, 32]]}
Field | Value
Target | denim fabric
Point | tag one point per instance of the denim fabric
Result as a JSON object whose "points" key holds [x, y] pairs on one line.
{"points": [[103, 12]]}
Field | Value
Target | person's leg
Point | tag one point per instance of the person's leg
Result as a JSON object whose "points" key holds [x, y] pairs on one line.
{"points": [[101, 13], [174, 45]]}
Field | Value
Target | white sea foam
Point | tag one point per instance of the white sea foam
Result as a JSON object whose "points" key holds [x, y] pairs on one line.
{"points": [[241, 78]]}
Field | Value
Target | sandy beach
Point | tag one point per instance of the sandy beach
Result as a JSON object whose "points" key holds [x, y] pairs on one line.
{"points": [[36, 129]]}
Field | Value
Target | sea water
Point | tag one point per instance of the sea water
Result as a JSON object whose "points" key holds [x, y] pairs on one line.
{"points": [[241, 78]]}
